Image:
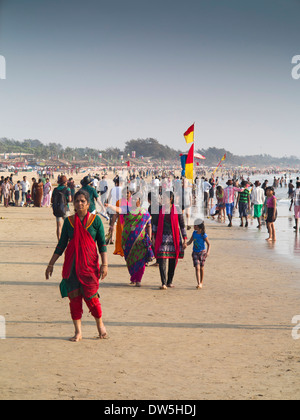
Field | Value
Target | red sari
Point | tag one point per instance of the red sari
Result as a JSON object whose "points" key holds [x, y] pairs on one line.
{"points": [[82, 251]]}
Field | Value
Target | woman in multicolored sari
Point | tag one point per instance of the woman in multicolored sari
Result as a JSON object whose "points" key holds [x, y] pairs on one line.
{"points": [[126, 199], [81, 270], [136, 238], [47, 194]]}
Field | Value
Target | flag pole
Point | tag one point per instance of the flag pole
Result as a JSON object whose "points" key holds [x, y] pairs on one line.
{"points": [[193, 158]]}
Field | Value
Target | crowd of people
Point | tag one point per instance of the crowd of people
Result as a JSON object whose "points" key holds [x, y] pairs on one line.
{"points": [[148, 221], [157, 230], [23, 193]]}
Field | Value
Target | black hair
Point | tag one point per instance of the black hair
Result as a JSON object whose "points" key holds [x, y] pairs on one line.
{"points": [[170, 194], [82, 192]]}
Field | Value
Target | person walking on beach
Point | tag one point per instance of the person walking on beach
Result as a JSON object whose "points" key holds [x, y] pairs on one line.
{"points": [[86, 183], [6, 191], [17, 188], [271, 213], [243, 202], [115, 195], [229, 193], [136, 234], [103, 189], [206, 187], [291, 189], [119, 218], [47, 194], [81, 271], [60, 198], [37, 192], [200, 253], [167, 240], [296, 199], [220, 203], [258, 199], [25, 187]]}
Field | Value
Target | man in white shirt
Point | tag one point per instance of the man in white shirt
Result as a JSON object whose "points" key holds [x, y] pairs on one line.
{"points": [[206, 186], [103, 188], [258, 199], [114, 196], [25, 187]]}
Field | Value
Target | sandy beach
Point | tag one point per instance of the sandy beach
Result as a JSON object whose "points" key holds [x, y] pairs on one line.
{"points": [[230, 340]]}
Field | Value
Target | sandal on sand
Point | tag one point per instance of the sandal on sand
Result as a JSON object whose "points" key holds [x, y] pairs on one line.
{"points": [[170, 285], [163, 287]]}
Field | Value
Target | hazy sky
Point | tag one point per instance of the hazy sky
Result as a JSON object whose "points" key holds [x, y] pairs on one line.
{"points": [[98, 73]]}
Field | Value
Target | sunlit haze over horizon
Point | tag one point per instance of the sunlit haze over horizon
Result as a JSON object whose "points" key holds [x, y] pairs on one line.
{"points": [[100, 73]]}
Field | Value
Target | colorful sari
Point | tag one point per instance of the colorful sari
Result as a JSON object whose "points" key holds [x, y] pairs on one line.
{"points": [[136, 243], [47, 195], [120, 225], [81, 270], [168, 243]]}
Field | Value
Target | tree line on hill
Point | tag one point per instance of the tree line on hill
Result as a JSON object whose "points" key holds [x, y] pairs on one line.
{"points": [[147, 148]]}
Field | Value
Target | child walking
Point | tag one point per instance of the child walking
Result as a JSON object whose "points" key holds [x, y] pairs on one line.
{"points": [[200, 253]]}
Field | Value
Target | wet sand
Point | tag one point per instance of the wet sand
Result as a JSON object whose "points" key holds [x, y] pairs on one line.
{"points": [[230, 340]]}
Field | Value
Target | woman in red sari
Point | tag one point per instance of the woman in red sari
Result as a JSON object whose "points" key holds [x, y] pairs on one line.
{"points": [[81, 270]]}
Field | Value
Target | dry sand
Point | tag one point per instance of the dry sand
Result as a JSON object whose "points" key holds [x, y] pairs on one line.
{"points": [[230, 340]]}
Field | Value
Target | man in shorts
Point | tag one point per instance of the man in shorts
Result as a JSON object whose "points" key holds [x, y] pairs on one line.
{"points": [[229, 195], [258, 199], [244, 204]]}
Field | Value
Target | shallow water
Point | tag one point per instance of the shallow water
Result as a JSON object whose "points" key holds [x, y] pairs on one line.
{"points": [[287, 243]]}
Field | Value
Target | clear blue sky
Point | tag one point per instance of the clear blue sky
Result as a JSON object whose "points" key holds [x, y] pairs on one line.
{"points": [[98, 73]]}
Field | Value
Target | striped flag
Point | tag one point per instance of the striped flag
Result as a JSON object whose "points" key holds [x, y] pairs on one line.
{"points": [[189, 164], [189, 134], [219, 164]]}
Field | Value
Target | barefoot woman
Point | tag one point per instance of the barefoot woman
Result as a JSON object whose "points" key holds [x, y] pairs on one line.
{"points": [[81, 270]]}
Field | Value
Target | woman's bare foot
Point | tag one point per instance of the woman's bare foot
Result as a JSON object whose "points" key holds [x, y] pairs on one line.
{"points": [[77, 337], [102, 333], [101, 329], [78, 334]]}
